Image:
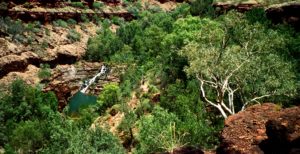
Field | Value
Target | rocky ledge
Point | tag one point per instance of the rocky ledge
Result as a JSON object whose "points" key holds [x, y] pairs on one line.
{"points": [[262, 128], [280, 13]]}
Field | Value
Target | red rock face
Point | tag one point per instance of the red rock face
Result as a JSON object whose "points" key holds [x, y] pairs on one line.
{"points": [[262, 129]]}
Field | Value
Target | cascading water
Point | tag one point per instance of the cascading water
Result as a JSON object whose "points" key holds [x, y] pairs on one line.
{"points": [[86, 84], [81, 98]]}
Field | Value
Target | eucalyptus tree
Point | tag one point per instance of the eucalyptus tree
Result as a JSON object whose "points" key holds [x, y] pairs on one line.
{"points": [[238, 63]]}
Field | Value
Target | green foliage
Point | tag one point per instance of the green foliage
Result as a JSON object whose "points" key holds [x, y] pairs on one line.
{"points": [[128, 31], [86, 115], [23, 108], [182, 10], [60, 23], [202, 8], [71, 22], [117, 20], [78, 5], [157, 133], [13, 28], [130, 80], [97, 5], [126, 126], [184, 101], [44, 72], [73, 35], [28, 136], [227, 49], [257, 15], [110, 95], [84, 18], [94, 141], [31, 124], [103, 46], [168, 52], [33, 27]]}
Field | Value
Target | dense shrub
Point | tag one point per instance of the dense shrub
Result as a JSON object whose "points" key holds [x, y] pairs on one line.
{"points": [[73, 35], [94, 141], [103, 46], [71, 22], [23, 103], [183, 100], [13, 28], [110, 95], [97, 5], [44, 72], [158, 132], [30, 123], [202, 7], [78, 4], [60, 23]]}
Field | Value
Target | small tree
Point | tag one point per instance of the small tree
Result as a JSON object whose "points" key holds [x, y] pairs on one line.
{"points": [[238, 62], [110, 95]]}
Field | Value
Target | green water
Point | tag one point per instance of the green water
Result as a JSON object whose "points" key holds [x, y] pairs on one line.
{"points": [[81, 100]]}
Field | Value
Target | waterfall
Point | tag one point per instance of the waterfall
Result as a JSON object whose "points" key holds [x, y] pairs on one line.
{"points": [[86, 84]]}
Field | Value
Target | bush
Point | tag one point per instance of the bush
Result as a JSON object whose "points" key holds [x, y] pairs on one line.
{"points": [[14, 28], [71, 22], [94, 141], [202, 8], [157, 132], [103, 46], [78, 5], [24, 103], [97, 5], [74, 36], [84, 18], [44, 72], [117, 20], [110, 95], [28, 136], [184, 102], [60, 23]]}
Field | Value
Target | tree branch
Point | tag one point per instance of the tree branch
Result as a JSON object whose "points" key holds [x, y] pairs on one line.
{"points": [[218, 106], [255, 99]]}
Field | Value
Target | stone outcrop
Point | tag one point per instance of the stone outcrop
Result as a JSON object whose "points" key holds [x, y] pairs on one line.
{"points": [[15, 57], [62, 10], [285, 13], [283, 133], [261, 129], [223, 7], [280, 13]]}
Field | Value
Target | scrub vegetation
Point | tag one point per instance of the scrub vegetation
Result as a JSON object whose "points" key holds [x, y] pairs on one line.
{"points": [[187, 70]]}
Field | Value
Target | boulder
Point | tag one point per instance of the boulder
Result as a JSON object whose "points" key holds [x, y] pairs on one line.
{"points": [[261, 129], [283, 133]]}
